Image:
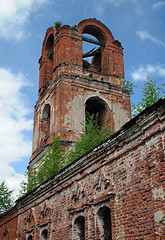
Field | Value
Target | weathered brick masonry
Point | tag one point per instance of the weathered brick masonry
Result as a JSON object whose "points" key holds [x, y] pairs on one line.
{"points": [[68, 89], [115, 191], [123, 176]]}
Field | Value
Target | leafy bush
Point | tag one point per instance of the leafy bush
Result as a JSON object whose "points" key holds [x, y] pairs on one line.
{"points": [[56, 159], [93, 136]]}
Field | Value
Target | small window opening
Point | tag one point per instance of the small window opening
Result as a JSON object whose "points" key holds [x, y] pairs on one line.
{"points": [[80, 228], [50, 46], [104, 215], [44, 234], [96, 107], [46, 112]]}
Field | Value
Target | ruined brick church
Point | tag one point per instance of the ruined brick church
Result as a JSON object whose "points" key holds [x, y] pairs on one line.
{"points": [[116, 190]]}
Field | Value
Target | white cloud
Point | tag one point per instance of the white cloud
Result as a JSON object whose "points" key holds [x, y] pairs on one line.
{"points": [[14, 14], [144, 35], [13, 122], [100, 6], [158, 5], [142, 72]]}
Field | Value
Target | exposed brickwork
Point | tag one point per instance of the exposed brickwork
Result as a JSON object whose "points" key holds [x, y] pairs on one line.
{"points": [[125, 174], [66, 85], [8, 224], [116, 191]]}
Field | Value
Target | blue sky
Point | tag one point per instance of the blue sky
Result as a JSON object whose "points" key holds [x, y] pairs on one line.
{"points": [[138, 25]]}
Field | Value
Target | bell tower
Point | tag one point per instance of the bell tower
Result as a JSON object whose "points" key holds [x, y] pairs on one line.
{"points": [[70, 86]]}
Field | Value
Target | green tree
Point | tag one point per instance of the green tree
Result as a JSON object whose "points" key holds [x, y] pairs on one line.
{"points": [[52, 162], [56, 159], [151, 94], [6, 200], [23, 186], [50, 165], [88, 140]]}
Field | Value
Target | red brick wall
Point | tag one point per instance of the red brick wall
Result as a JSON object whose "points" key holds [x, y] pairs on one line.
{"points": [[124, 174], [8, 224]]}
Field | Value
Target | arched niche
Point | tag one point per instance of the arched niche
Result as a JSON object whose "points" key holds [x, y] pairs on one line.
{"points": [[79, 228], [104, 223], [44, 234]]}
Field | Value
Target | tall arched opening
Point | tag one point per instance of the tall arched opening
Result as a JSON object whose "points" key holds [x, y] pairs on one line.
{"points": [[79, 228], [98, 108], [50, 46], [93, 47], [104, 223]]}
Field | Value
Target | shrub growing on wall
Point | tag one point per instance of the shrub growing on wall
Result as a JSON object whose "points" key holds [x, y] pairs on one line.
{"points": [[56, 159]]}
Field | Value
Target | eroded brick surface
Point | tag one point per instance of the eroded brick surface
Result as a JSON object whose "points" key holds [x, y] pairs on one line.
{"points": [[116, 191], [66, 85]]}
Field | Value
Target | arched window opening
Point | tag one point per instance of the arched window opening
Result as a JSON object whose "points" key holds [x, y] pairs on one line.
{"points": [[104, 215], [50, 46], [44, 235], [96, 107], [79, 228], [45, 124], [93, 45], [30, 237]]}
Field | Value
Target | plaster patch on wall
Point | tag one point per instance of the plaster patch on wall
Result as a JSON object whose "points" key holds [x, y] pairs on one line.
{"points": [[74, 116], [67, 117], [158, 216], [158, 193], [120, 115]]}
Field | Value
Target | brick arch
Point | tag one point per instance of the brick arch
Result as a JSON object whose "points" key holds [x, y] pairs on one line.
{"points": [[46, 60], [104, 222], [105, 58], [79, 227], [50, 31], [105, 114], [97, 29]]}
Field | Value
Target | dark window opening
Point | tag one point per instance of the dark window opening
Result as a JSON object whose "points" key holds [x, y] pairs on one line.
{"points": [[80, 228], [50, 46], [46, 112], [44, 234], [96, 107], [45, 124], [104, 214]]}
